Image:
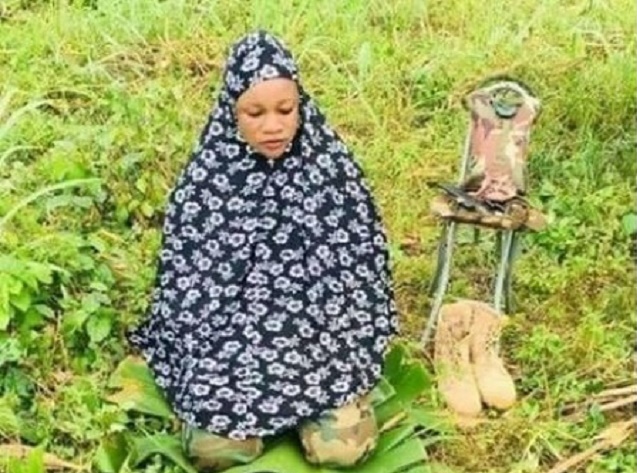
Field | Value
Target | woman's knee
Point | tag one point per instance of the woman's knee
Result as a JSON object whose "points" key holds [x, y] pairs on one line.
{"points": [[212, 453], [343, 437]]}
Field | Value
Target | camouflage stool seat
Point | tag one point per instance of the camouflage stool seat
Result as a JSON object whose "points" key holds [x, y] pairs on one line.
{"points": [[516, 214]]}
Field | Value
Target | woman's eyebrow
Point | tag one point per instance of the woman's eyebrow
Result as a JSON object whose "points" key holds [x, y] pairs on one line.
{"points": [[261, 106], [251, 106], [288, 100]]}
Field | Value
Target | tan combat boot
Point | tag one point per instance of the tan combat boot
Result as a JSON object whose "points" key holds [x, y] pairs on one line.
{"points": [[495, 384], [452, 350]]}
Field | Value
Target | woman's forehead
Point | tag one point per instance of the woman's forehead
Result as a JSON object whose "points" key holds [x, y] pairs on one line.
{"points": [[270, 92]]}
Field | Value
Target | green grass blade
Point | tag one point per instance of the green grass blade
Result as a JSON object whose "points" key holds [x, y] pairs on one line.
{"points": [[41, 192]]}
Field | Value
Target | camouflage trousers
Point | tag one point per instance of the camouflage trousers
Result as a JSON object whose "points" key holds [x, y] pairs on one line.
{"points": [[343, 437]]}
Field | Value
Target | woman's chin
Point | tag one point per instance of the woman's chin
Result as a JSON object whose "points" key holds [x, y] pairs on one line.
{"points": [[272, 154]]}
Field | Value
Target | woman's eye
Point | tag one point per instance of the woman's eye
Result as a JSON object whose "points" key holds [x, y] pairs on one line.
{"points": [[286, 111], [254, 114]]}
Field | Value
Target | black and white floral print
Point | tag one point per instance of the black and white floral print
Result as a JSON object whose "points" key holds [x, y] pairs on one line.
{"points": [[273, 299]]}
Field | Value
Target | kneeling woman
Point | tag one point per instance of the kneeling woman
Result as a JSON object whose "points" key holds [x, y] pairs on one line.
{"points": [[273, 303]]}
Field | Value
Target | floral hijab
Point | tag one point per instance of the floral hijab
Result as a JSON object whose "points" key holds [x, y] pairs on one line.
{"points": [[273, 300]]}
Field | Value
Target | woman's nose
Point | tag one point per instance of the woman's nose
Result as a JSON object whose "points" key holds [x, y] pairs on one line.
{"points": [[272, 124]]}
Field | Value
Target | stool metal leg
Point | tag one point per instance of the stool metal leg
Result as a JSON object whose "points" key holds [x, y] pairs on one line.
{"points": [[445, 249], [442, 277], [440, 262], [505, 250], [508, 276], [506, 258]]}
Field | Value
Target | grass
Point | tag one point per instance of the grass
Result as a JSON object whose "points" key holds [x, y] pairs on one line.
{"points": [[125, 87]]}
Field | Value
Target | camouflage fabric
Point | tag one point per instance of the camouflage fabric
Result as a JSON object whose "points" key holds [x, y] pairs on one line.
{"points": [[211, 453], [499, 141], [340, 438], [517, 215], [343, 437], [492, 194]]}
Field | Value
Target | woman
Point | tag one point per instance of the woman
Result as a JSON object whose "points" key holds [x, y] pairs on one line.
{"points": [[273, 303]]}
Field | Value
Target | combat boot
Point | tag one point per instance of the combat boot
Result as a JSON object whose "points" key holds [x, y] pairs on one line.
{"points": [[494, 382], [452, 352]]}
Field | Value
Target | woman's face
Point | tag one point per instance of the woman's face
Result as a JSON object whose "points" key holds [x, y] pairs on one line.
{"points": [[268, 116]]}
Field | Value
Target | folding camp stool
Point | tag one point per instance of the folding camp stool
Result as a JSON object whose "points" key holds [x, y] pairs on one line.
{"points": [[491, 186]]}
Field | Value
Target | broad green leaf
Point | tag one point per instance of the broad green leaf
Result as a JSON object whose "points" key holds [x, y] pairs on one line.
{"points": [[42, 272], [429, 440], [22, 300], [11, 350], [141, 185], [84, 262], [412, 382], [92, 302], [6, 283], [45, 311], [393, 361], [98, 327], [8, 264], [98, 286], [32, 318], [168, 446], [15, 285], [408, 378], [389, 410], [28, 272], [394, 437], [137, 389], [5, 317], [430, 419], [28, 278], [111, 454], [75, 319], [285, 456], [60, 167], [382, 392], [420, 469], [410, 452], [147, 209]]}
